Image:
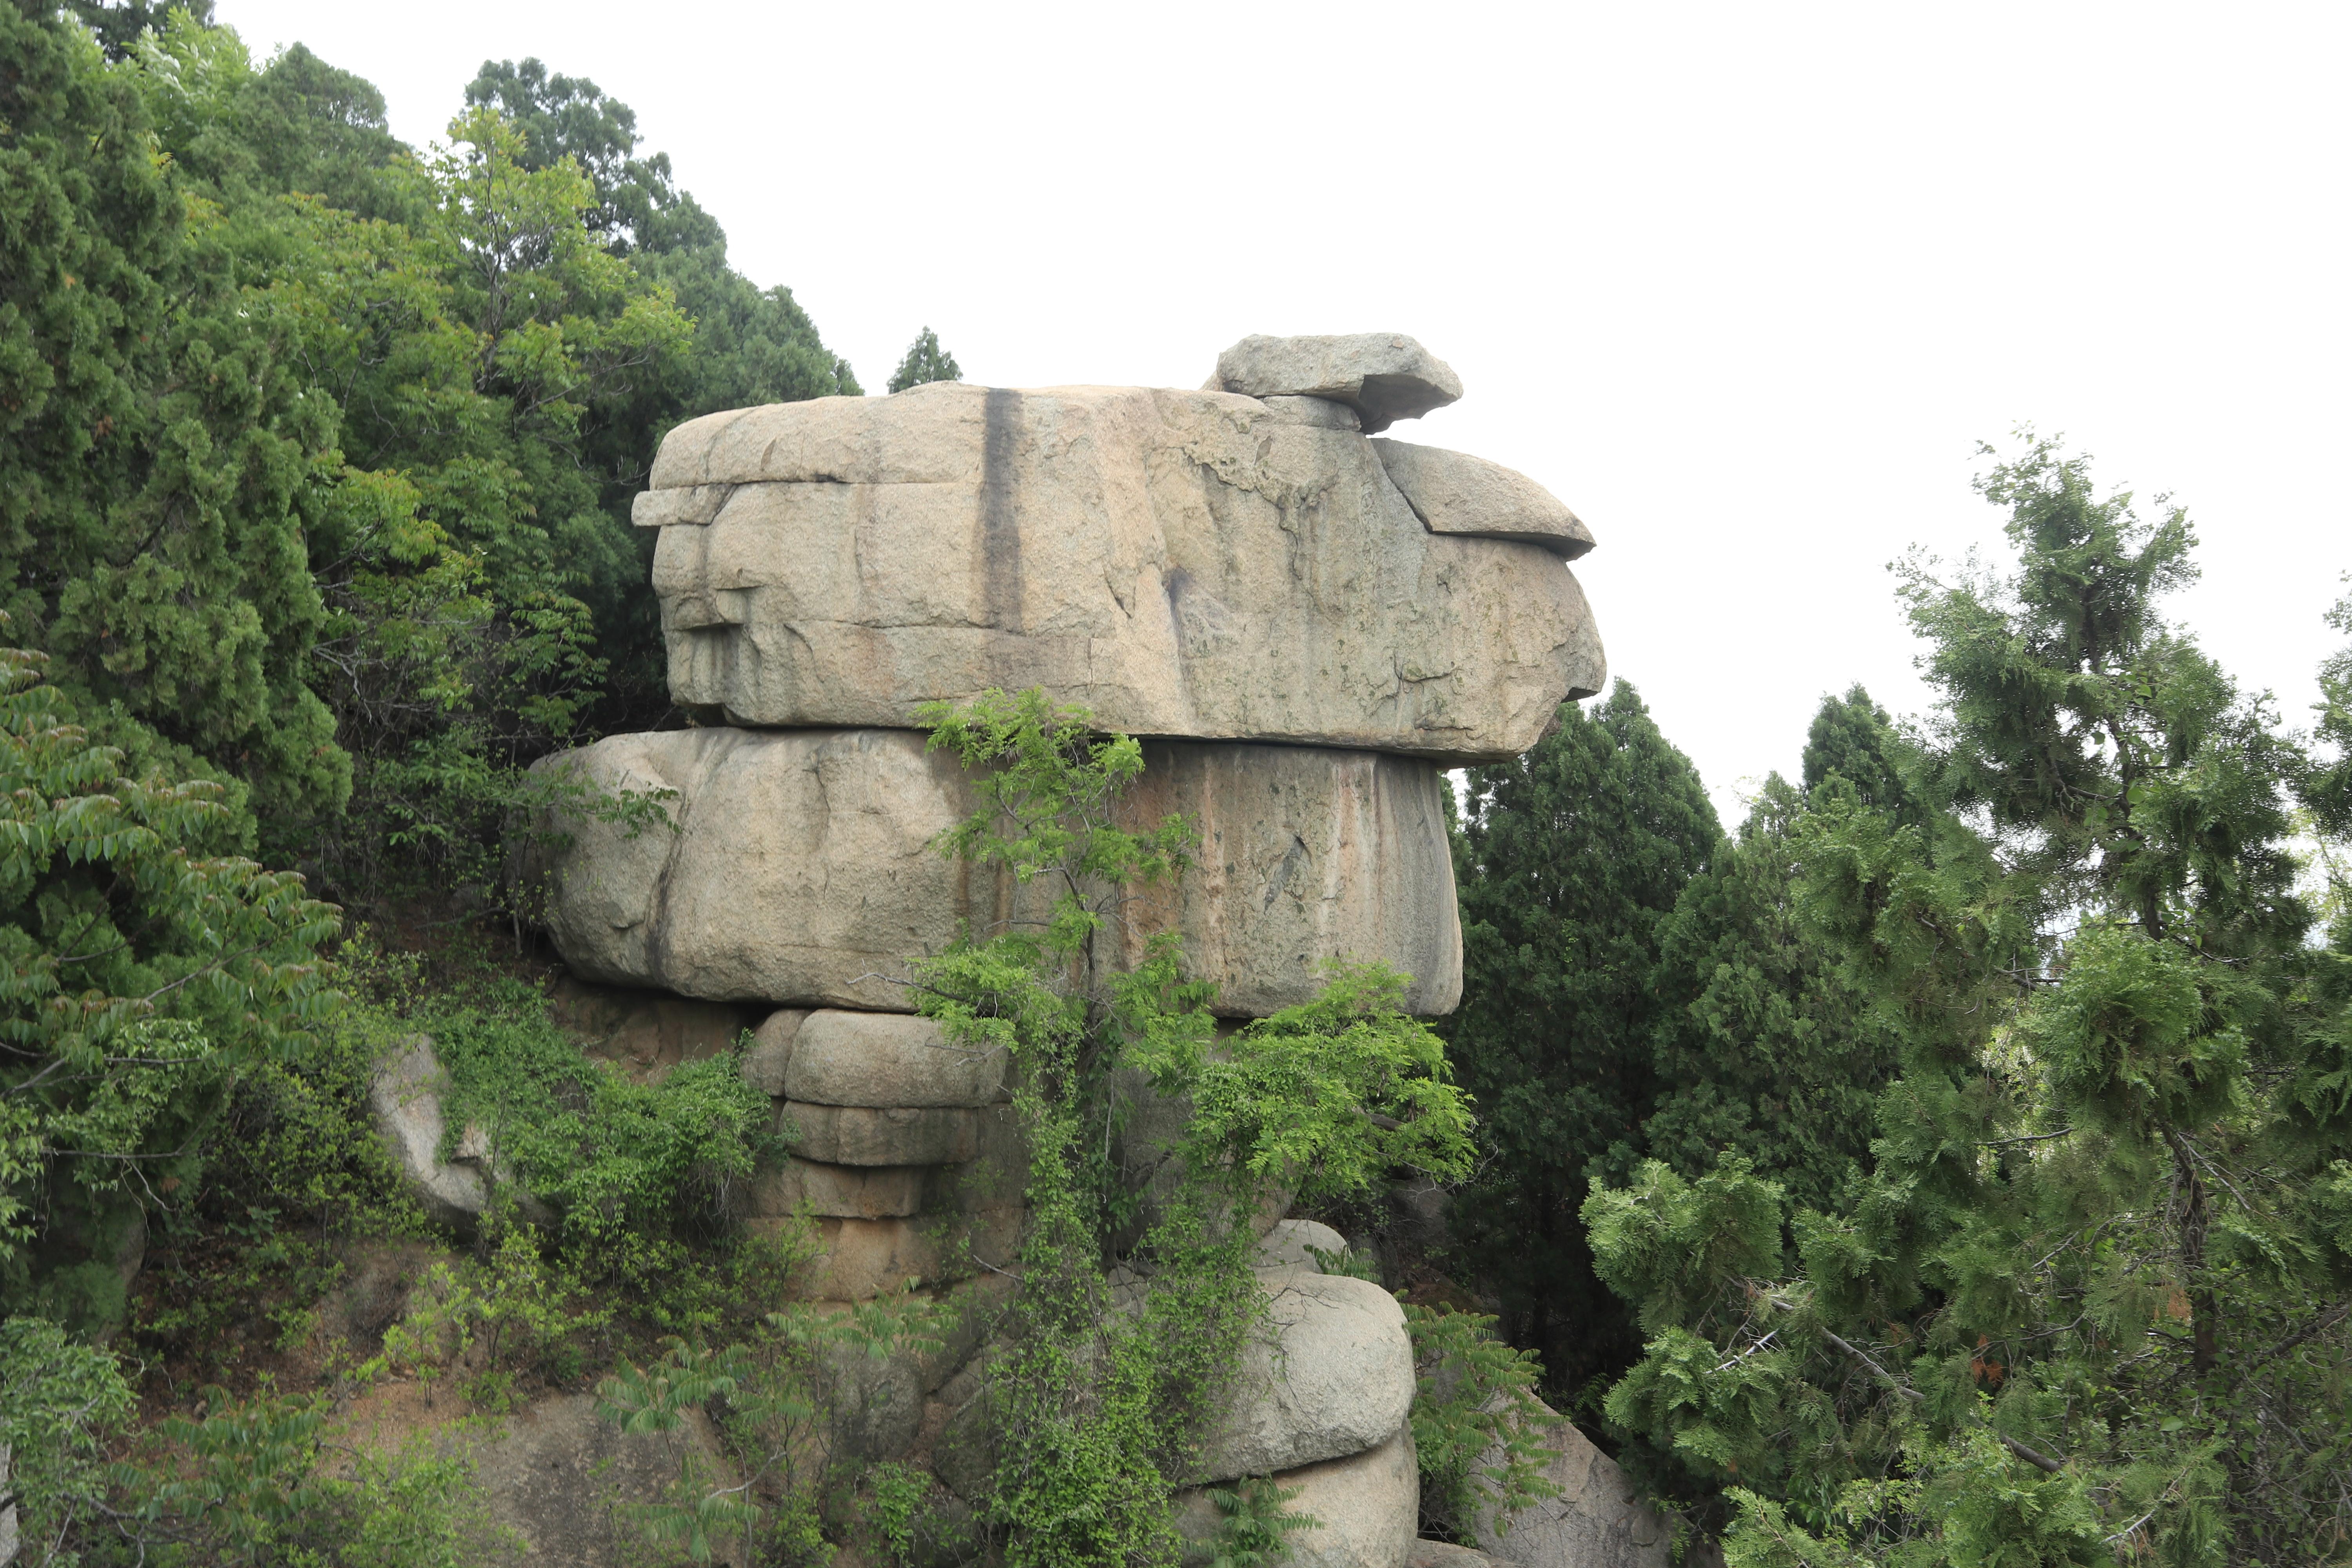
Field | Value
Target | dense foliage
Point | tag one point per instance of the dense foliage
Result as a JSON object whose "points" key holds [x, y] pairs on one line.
{"points": [[1951, 1165], [316, 452], [2091, 1302], [1637, 985], [1099, 1397], [142, 969], [1570, 860]]}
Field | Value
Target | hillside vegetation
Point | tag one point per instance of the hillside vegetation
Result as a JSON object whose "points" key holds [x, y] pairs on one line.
{"points": [[1949, 1164]]}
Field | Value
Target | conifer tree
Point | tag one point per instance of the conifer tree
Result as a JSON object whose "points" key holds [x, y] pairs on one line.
{"points": [[1762, 1044], [156, 443], [925, 362], [752, 345], [2328, 792], [2092, 1300], [1571, 859]]}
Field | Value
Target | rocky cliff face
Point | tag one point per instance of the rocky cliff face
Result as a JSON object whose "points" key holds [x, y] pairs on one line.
{"points": [[1184, 564], [1306, 624]]}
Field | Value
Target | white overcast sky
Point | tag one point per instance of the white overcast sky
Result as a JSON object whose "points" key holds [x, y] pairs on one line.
{"points": [[1742, 284]]}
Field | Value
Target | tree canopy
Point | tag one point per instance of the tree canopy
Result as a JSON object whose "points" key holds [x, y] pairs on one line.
{"points": [[1571, 859], [925, 362], [318, 450], [2091, 1298]]}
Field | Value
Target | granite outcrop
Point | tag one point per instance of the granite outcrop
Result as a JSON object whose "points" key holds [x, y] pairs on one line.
{"points": [[1189, 564]]}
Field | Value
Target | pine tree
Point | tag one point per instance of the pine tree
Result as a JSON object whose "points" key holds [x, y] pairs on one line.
{"points": [[1571, 859], [2092, 1297], [157, 443], [2328, 792], [1763, 1044], [925, 362]]}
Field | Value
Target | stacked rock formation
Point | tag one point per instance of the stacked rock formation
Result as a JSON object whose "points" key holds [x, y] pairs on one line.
{"points": [[1305, 624]]}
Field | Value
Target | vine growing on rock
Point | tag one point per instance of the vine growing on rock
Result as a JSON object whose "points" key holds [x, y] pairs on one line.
{"points": [[1117, 1350]]}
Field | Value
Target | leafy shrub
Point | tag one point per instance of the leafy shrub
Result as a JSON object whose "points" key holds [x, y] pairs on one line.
{"points": [[239, 1485], [142, 974], [513, 1307], [1474, 1395], [1253, 1525], [635, 1173]]}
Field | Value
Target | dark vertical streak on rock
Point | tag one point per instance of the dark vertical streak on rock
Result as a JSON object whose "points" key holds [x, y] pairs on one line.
{"points": [[1000, 517]]}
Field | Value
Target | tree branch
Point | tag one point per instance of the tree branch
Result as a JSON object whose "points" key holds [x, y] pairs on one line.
{"points": [[2035, 1456]]}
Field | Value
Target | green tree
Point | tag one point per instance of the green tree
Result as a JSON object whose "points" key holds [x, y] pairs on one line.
{"points": [[925, 362], [1763, 1044], [638, 206], [140, 972], [2328, 792], [1570, 861], [156, 444], [118, 27], [752, 345], [316, 456], [466, 358], [2092, 1300], [295, 125]]}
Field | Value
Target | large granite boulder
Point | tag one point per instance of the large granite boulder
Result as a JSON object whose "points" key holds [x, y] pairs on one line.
{"points": [[1331, 1376], [838, 1192], [1383, 376], [1453, 492], [799, 868], [833, 1057], [1293, 1244], [1185, 564], [1600, 1520], [1365, 1508], [405, 1102], [883, 1135]]}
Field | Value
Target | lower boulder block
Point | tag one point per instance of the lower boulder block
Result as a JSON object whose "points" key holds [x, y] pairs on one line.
{"points": [[797, 868]]}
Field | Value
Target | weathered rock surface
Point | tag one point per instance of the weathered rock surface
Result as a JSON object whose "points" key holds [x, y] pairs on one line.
{"points": [[1453, 492], [883, 1135], [1384, 376], [645, 1033], [770, 1055], [1320, 412], [993, 1179], [1444, 1555], [839, 1192], [1598, 1521], [404, 1100], [555, 1468], [800, 870], [1293, 1243], [888, 1059], [858, 1260], [1365, 1508], [1334, 1378], [1184, 564], [1305, 855]]}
